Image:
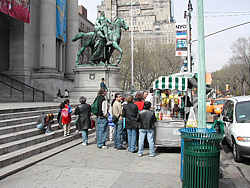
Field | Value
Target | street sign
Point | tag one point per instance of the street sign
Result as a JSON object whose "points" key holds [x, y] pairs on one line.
{"points": [[181, 39]]}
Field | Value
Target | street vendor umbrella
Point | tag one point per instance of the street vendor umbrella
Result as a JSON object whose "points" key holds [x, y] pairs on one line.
{"points": [[171, 82]]}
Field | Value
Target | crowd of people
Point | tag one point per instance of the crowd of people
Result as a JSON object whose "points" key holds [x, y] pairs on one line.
{"points": [[132, 116], [124, 121]]}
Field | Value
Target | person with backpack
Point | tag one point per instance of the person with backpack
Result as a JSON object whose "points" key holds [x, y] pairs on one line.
{"points": [[66, 118], [44, 123], [100, 109], [146, 127], [84, 122]]}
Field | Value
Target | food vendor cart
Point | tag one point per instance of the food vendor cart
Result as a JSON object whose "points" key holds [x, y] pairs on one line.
{"points": [[167, 125]]}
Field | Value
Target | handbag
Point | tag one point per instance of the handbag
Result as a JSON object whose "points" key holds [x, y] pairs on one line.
{"points": [[115, 119], [92, 123]]}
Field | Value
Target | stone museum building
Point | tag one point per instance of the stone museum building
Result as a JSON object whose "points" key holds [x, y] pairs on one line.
{"points": [[35, 43], [151, 19]]}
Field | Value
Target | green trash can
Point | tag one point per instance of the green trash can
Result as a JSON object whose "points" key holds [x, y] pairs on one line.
{"points": [[201, 158]]}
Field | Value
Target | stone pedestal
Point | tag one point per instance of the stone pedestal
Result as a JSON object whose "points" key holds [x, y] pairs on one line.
{"points": [[88, 79]]}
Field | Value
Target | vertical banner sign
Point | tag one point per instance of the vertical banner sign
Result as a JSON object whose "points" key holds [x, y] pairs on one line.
{"points": [[18, 9], [61, 19], [181, 40]]}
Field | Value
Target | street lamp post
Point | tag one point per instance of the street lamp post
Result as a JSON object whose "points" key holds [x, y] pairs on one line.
{"points": [[188, 17], [132, 46]]}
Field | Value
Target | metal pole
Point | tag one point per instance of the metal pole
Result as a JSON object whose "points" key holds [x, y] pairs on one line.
{"points": [[201, 67], [190, 9], [132, 46]]}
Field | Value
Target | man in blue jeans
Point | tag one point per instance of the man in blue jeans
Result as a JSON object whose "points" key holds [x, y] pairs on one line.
{"points": [[117, 114], [146, 127], [102, 121]]}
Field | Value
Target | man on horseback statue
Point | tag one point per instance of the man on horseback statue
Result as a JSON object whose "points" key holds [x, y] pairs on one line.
{"points": [[103, 41], [103, 23]]}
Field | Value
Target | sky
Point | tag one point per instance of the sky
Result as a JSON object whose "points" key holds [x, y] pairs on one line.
{"points": [[219, 14]]}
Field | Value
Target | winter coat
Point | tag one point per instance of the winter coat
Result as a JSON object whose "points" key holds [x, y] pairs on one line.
{"points": [[146, 119], [140, 105], [130, 113], [84, 112]]}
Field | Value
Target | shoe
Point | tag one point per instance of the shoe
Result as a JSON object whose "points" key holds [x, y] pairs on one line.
{"points": [[135, 151], [151, 155], [68, 134], [77, 132], [84, 144], [104, 147], [121, 148], [139, 155], [49, 132]]}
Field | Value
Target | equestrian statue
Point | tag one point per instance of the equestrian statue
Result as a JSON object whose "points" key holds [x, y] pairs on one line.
{"points": [[102, 41]]}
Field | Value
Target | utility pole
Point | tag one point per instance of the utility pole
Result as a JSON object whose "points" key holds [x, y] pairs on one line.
{"points": [[187, 16]]}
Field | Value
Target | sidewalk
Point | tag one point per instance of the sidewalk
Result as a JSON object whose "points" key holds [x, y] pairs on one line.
{"points": [[90, 167]]}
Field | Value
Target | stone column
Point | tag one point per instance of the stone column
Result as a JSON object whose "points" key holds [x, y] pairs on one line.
{"points": [[61, 57], [72, 30], [48, 36]]}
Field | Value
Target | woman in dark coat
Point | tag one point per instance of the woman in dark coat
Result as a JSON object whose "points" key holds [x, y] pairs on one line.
{"points": [[130, 113], [83, 123]]}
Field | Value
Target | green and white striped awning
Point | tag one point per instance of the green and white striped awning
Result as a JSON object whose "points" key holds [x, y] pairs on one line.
{"points": [[171, 82]]}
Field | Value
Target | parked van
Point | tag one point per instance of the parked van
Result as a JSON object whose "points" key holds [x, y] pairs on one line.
{"points": [[236, 118]]}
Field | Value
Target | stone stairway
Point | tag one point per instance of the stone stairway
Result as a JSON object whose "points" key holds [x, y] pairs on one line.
{"points": [[22, 144]]}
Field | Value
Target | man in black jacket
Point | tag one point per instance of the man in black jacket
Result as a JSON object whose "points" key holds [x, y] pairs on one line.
{"points": [[146, 127]]}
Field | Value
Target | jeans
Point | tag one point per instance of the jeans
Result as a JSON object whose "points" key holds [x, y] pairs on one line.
{"points": [[102, 125], [150, 137], [85, 136], [131, 140], [118, 134]]}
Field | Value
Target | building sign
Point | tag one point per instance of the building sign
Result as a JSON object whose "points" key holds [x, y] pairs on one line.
{"points": [[18, 9], [181, 40], [61, 19]]}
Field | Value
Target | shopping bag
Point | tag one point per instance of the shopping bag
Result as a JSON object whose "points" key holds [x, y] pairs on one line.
{"points": [[192, 121], [40, 126]]}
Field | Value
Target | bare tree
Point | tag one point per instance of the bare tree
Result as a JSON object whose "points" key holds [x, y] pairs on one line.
{"points": [[151, 60]]}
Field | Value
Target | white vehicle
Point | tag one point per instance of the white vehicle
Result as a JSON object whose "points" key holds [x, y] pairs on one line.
{"points": [[236, 118]]}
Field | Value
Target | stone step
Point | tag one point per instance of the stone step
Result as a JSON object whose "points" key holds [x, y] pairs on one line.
{"points": [[26, 142], [26, 114], [26, 109], [27, 152], [15, 136], [16, 121], [21, 165], [17, 128]]}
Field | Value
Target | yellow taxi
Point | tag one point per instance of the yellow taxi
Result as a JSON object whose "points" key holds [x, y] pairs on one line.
{"points": [[209, 105], [218, 105]]}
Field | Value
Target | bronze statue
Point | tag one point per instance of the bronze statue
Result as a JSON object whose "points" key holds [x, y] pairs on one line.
{"points": [[103, 41]]}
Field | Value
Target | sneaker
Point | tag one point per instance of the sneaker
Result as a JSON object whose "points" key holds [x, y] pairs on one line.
{"points": [[140, 155], [121, 148], [49, 132], [84, 144], [104, 147], [151, 155]]}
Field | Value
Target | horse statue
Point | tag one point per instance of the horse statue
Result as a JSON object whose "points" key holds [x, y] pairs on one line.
{"points": [[101, 53]]}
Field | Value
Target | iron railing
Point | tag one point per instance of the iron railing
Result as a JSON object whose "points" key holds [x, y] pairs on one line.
{"points": [[21, 87]]}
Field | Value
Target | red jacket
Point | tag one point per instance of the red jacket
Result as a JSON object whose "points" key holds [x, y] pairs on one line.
{"points": [[140, 105]]}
